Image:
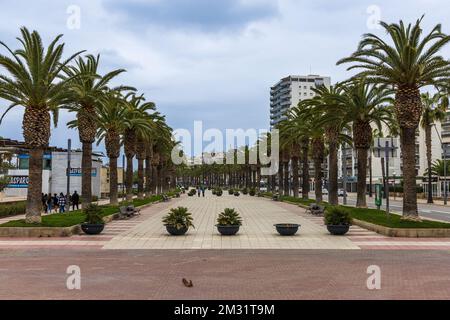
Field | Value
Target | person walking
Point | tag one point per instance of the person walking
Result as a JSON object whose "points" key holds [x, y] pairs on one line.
{"points": [[55, 202], [49, 203], [44, 202], [62, 202], [75, 200], [198, 190], [203, 190]]}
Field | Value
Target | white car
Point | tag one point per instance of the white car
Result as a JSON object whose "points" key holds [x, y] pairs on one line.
{"points": [[324, 191], [340, 192]]}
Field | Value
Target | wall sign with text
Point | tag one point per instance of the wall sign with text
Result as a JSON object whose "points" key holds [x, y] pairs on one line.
{"points": [[76, 172], [18, 182]]}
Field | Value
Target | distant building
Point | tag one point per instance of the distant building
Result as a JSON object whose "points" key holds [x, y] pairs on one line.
{"points": [[104, 180], [289, 91], [54, 173]]}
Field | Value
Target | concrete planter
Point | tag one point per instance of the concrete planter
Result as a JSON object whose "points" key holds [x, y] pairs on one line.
{"points": [[405, 233], [39, 232]]}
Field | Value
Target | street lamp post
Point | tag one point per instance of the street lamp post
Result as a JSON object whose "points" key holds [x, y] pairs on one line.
{"points": [[394, 173]]}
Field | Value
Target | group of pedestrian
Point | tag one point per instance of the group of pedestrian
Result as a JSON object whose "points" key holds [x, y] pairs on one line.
{"points": [[59, 203], [201, 189]]}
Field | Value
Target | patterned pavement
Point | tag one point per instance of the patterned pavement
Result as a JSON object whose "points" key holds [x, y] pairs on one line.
{"points": [[259, 215]]}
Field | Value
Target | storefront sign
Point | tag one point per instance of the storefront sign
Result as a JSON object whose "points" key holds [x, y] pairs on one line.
{"points": [[76, 172], [18, 182]]}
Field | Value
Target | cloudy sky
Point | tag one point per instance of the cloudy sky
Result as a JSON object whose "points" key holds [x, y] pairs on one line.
{"points": [[209, 60]]}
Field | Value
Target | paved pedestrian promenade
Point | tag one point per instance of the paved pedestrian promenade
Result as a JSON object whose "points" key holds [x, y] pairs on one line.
{"points": [[257, 232]]}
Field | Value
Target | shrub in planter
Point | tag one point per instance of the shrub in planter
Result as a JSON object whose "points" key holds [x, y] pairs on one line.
{"points": [[252, 192], [192, 193], [94, 223], [245, 191], [230, 192], [219, 192], [214, 191], [178, 221], [228, 222], [237, 194], [338, 220], [276, 197]]}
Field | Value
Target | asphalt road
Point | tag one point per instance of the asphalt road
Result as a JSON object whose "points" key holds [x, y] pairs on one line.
{"points": [[432, 211]]}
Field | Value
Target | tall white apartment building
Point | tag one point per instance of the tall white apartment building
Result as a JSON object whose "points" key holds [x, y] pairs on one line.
{"points": [[289, 91]]}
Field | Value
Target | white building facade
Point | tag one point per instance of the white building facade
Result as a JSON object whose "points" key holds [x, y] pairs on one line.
{"points": [[54, 174]]}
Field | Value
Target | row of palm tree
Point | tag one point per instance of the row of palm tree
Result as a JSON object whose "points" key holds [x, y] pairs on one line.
{"points": [[384, 96], [384, 93], [42, 82]]}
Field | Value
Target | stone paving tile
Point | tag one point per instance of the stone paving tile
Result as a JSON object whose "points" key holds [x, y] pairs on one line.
{"points": [[257, 232]]}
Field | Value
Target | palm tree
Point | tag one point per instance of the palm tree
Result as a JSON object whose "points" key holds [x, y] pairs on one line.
{"points": [[136, 124], [87, 87], [437, 168], [309, 118], [322, 104], [409, 63], [434, 109], [34, 82], [363, 105], [111, 113]]}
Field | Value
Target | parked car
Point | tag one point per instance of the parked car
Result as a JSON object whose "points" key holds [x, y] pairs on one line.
{"points": [[340, 192], [324, 191]]}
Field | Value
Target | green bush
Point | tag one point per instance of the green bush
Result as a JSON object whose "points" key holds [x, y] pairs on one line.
{"points": [[230, 191], [252, 192], [178, 218], [93, 214], [12, 209], [245, 191], [229, 217], [94, 198], [335, 215]]}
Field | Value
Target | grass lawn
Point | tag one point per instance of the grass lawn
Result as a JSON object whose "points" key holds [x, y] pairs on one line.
{"points": [[379, 217], [75, 217], [374, 216]]}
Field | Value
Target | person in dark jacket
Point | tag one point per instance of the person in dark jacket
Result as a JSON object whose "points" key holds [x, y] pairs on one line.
{"points": [[75, 200], [44, 202], [55, 202]]}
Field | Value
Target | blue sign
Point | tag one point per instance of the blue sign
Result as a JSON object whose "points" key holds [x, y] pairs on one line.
{"points": [[76, 172], [27, 156], [18, 182]]}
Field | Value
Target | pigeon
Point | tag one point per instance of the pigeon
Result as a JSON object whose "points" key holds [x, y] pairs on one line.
{"points": [[187, 283]]}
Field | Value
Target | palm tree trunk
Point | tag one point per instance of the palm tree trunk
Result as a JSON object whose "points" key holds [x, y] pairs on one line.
{"points": [[286, 178], [148, 176], [428, 144], [154, 182], [408, 147], [362, 173], [34, 203], [129, 178], [295, 182], [141, 178], [113, 182], [86, 175], [318, 180], [280, 178], [305, 172], [333, 173]]}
